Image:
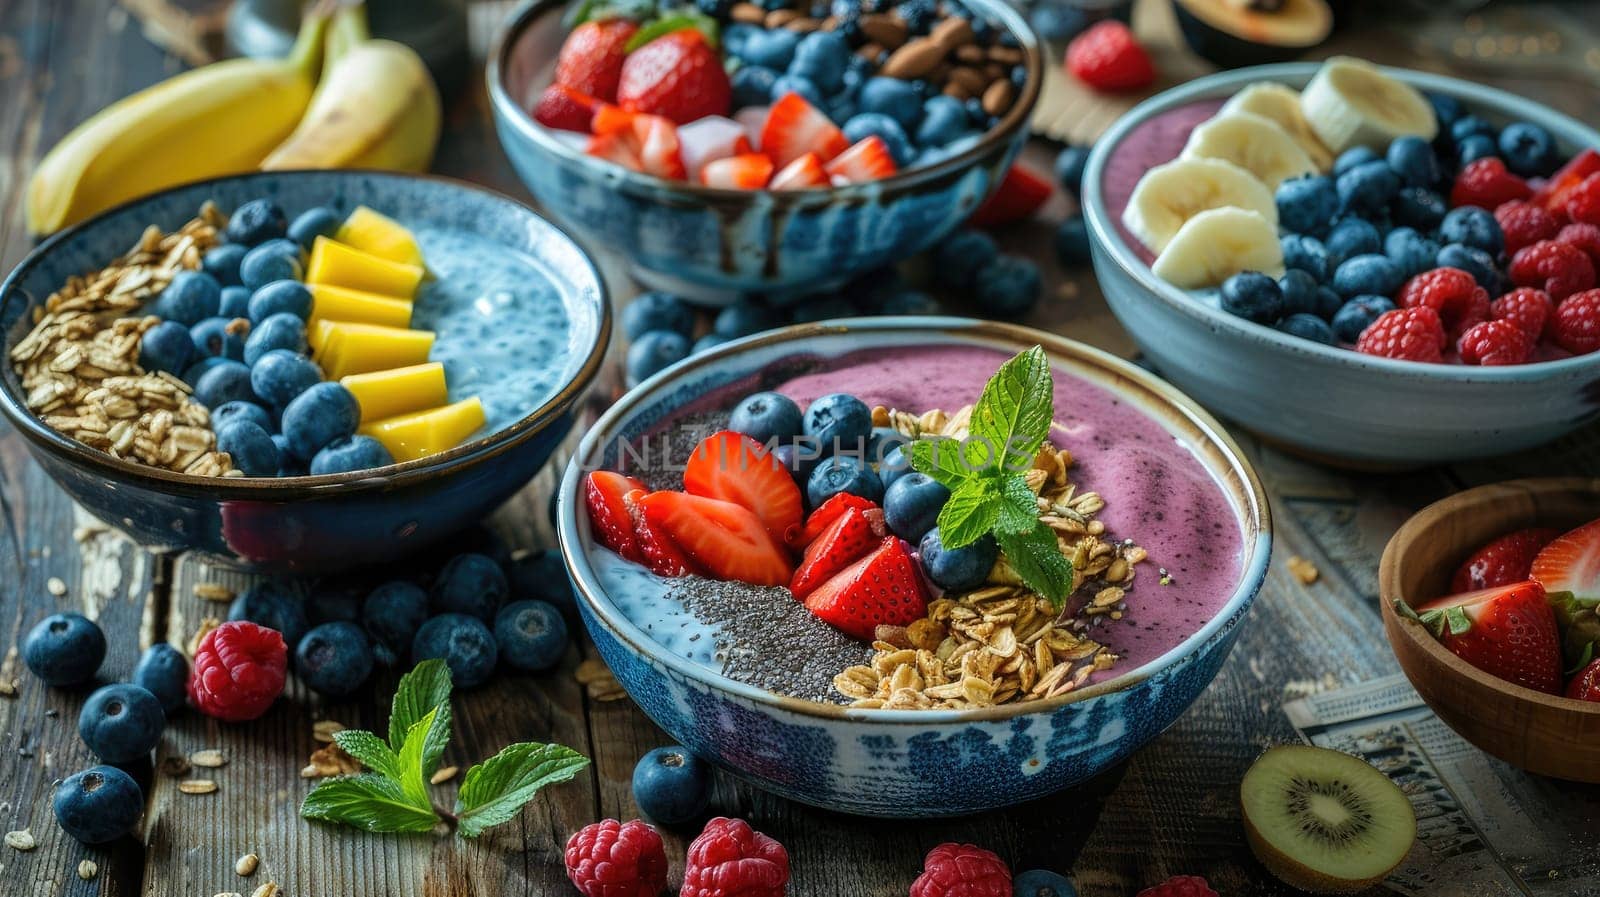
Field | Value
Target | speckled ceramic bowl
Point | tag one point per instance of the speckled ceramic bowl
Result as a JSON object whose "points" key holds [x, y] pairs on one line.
{"points": [[714, 243], [1322, 400], [321, 523], [911, 763]]}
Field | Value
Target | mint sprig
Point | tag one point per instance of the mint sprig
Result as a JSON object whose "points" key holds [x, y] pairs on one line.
{"points": [[392, 796], [984, 474]]}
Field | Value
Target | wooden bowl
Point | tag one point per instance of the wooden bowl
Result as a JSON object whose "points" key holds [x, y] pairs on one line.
{"points": [[1544, 734]]}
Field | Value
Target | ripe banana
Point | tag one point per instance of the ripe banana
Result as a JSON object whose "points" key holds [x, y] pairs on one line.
{"points": [[1351, 103], [1281, 104], [216, 120], [1217, 244], [1253, 143], [1169, 195], [376, 107]]}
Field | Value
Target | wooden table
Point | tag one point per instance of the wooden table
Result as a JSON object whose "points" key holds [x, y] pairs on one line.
{"points": [[1170, 809]]}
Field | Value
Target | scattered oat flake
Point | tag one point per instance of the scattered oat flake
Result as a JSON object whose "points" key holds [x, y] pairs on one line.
{"points": [[227, 894], [55, 586], [88, 869], [322, 730], [213, 591], [197, 786], [443, 774], [206, 625], [592, 670], [21, 839], [246, 865], [1303, 570], [270, 889], [210, 758]]}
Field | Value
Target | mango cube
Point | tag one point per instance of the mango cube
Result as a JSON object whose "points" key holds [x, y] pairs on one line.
{"points": [[380, 235], [423, 433], [331, 303], [335, 263], [397, 391], [346, 347]]}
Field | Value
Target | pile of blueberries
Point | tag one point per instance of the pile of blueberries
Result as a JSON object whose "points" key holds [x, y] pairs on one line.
{"points": [[235, 331]]}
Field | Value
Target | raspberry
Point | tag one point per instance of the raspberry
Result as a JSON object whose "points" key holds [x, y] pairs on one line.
{"points": [[1525, 224], [1180, 886], [1576, 327], [1409, 334], [1495, 343], [1559, 269], [962, 870], [1526, 307], [1585, 237], [1109, 57], [617, 859], [238, 671], [731, 859], [1486, 183], [1452, 293], [1583, 201]]}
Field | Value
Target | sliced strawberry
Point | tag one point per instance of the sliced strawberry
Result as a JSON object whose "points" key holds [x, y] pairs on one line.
{"points": [[565, 109], [659, 552], [722, 538], [868, 160], [711, 138], [1569, 570], [804, 173], [616, 147], [733, 467], [829, 511], [750, 171], [882, 588], [591, 58], [1019, 195], [1586, 685], [1508, 631], [1506, 560], [795, 127], [658, 147], [1553, 195], [605, 494], [610, 119], [848, 539]]}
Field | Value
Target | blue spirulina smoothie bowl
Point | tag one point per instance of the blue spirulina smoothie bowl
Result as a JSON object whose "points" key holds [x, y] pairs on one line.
{"points": [[1153, 448], [522, 321], [715, 244]]}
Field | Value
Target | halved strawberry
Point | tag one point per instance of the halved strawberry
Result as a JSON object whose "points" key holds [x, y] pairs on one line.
{"points": [[724, 539], [1552, 197], [1569, 570], [604, 493], [591, 58], [848, 539], [868, 159], [658, 551], [750, 171], [658, 147], [733, 467], [794, 127], [1019, 195], [882, 588], [826, 513], [615, 147], [565, 109], [1506, 560], [611, 119], [804, 173], [1508, 631]]}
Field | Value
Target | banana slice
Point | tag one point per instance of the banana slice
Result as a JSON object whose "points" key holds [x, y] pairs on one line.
{"points": [[1253, 143], [1217, 244], [1351, 103], [1281, 104], [1169, 195]]}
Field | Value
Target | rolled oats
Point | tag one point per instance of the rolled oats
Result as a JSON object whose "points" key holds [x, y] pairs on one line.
{"points": [[197, 786]]}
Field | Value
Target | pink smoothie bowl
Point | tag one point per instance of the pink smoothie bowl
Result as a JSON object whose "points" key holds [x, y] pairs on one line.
{"points": [[1330, 403]]}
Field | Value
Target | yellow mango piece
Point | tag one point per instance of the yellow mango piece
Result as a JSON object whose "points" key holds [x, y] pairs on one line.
{"points": [[331, 303], [423, 433], [335, 263], [398, 391], [347, 347], [380, 235]]}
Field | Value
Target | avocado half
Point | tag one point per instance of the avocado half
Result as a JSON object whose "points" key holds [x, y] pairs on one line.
{"points": [[1236, 33]]}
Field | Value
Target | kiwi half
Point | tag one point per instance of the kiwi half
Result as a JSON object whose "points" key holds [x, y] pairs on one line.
{"points": [[1324, 821]]}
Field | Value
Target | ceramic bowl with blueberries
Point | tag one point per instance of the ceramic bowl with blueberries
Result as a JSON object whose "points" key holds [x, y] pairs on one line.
{"points": [[776, 147], [1373, 266], [304, 370]]}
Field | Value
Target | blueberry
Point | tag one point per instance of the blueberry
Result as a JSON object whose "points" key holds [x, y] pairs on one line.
{"points": [[469, 583], [542, 573], [1307, 205], [164, 672], [789, 82], [1475, 147], [894, 98], [1481, 265], [1419, 207], [825, 309], [1353, 157], [1470, 126], [319, 221], [1328, 303], [955, 569], [336, 600], [843, 473], [842, 107], [889, 129], [1528, 149], [1446, 109], [911, 506], [944, 119], [1072, 242], [166, 347], [910, 302], [1412, 158], [1306, 253], [957, 260], [656, 311], [976, 115], [98, 805], [767, 416], [1369, 274], [121, 723], [279, 375], [1349, 238], [799, 457], [235, 303], [743, 319], [1069, 166], [823, 56], [881, 442], [251, 448], [274, 605], [222, 263], [64, 649], [219, 338], [773, 48], [1299, 291], [717, 9], [348, 454], [671, 786], [280, 297], [653, 352], [707, 341], [227, 412], [1412, 252], [464, 643], [1042, 883], [279, 331], [752, 85], [838, 422], [531, 635], [272, 260], [256, 222], [1009, 287], [1367, 188], [288, 464], [393, 612], [917, 14], [894, 465], [1307, 326], [322, 413], [1253, 296], [734, 38], [201, 367], [1475, 227], [1357, 315], [1058, 22], [334, 659], [190, 298]]}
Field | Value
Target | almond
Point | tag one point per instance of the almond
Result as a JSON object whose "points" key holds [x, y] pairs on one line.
{"points": [[914, 60]]}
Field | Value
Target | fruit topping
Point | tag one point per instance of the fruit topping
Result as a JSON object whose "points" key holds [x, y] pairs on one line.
{"points": [[1020, 194], [1557, 268], [1180, 886], [850, 537], [1576, 325], [1409, 334], [1583, 201], [723, 538], [1108, 57], [731, 859], [565, 109], [829, 512], [1506, 631], [678, 76], [804, 173], [661, 554], [733, 467], [1492, 343], [1569, 570], [1526, 307], [609, 514], [617, 859], [1525, 224], [883, 588], [1487, 184], [1555, 192], [867, 159], [962, 870], [1585, 686], [749, 171], [1506, 560], [794, 127], [591, 58], [239, 670]]}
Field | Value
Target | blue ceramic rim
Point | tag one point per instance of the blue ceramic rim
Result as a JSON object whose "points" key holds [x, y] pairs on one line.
{"points": [[1104, 231], [1252, 575], [308, 487], [688, 193]]}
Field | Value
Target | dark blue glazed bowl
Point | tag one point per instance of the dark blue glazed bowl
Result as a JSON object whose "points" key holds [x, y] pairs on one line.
{"points": [[321, 523], [714, 243]]}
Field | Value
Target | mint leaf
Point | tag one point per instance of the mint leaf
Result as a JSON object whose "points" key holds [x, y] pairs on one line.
{"points": [[1039, 562], [1013, 414], [410, 763], [370, 750], [1019, 507], [675, 21], [496, 789], [427, 686], [970, 513], [940, 458], [367, 801]]}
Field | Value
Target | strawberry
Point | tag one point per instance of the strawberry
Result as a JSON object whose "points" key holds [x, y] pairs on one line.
{"points": [[612, 119], [829, 511], [1109, 57], [733, 467], [604, 493], [1508, 631], [849, 538], [564, 109], [867, 160], [750, 171], [678, 76], [1019, 195], [794, 127], [1569, 570], [1487, 184], [1555, 192], [1586, 685], [882, 588], [591, 59], [1504, 561], [804, 173], [658, 147], [725, 539], [659, 552], [615, 147]]}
